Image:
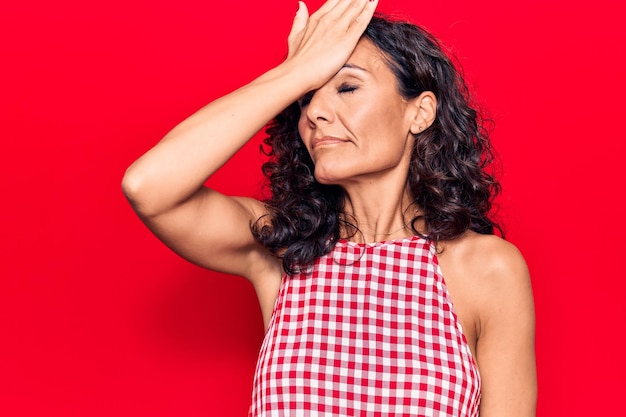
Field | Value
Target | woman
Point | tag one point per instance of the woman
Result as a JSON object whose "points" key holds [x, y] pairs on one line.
{"points": [[378, 193]]}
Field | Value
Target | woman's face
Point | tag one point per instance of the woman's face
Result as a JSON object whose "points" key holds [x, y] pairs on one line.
{"points": [[356, 127]]}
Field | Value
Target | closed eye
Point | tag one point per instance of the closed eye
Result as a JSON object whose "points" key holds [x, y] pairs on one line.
{"points": [[346, 88], [342, 89]]}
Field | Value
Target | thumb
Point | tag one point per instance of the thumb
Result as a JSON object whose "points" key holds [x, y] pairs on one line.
{"points": [[299, 22]]}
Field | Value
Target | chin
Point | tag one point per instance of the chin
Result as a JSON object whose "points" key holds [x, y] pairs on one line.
{"points": [[327, 178]]}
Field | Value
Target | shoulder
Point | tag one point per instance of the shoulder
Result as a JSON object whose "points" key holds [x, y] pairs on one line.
{"points": [[490, 275], [493, 286], [490, 285], [489, 258]]}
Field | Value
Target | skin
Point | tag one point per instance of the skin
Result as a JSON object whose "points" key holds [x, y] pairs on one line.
{"points": [[358, 130], [359, 133]]}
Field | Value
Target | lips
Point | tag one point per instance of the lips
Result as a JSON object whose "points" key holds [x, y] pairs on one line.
{"points": [[326, 141]]}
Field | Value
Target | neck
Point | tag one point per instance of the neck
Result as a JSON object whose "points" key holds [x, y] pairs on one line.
{"points": [[377, 219]]}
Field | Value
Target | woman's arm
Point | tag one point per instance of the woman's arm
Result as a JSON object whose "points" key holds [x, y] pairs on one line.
{"points": [[490, 288], [165, 185], [505, 348]]}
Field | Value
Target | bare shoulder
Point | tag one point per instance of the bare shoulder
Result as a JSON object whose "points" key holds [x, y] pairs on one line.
{"points": [[491, 274], [488, 260], [488, 280], [490, 285], [492, 249]]}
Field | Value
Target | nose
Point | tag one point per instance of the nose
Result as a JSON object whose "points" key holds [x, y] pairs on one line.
{"points": [[319, 108]]}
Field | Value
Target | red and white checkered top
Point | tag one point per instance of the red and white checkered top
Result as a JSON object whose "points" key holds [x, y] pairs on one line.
{"points": [[369, 330]]}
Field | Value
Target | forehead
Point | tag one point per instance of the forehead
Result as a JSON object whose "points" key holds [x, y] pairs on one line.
{"points": [[367, 56]]}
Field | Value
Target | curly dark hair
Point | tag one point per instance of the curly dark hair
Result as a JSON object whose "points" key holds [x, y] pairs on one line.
{"points": [[447, 177]]}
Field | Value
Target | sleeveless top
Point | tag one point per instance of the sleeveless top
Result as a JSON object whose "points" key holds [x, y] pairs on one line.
{"points": [[368, 330]]}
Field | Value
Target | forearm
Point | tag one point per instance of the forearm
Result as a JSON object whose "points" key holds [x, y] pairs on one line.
{"points": [[187, 156]]}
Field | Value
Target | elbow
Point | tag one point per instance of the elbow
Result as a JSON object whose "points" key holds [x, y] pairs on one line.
{"points": [[145, 194], [133, 188], [130, 184]]}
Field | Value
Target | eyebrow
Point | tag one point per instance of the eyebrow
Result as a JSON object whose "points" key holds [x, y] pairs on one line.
{"points": [[352, 66]]}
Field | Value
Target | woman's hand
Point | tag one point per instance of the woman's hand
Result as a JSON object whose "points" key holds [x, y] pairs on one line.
{"points": [[320, 44]]}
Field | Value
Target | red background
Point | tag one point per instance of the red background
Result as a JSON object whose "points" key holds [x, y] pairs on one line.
{"points": [[98, 318]]}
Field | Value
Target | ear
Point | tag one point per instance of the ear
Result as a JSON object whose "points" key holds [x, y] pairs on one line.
{"points": [[425, 111]]}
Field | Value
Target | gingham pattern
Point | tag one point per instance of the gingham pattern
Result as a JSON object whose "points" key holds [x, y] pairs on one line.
{"points": [[369, 330]]}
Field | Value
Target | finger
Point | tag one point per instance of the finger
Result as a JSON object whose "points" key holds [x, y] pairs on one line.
{"points": [[326, 7], [363, 18], [343, 13], [298, 27], [300, 20]]}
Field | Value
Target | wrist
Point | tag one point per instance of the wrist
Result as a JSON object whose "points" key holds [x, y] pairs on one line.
{"points": [[291, 80]]}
